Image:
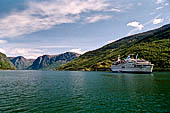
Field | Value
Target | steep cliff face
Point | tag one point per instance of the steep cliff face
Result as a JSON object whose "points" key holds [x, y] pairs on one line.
{"points": [[48, 62], [153, 45], [20, 62], [5, 64]]}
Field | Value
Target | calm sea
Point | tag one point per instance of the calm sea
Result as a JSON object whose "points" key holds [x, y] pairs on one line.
{"points": [[67, 91]]}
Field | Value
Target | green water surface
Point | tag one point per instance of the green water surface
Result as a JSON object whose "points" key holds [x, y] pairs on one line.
{"points": [[67, 91]]}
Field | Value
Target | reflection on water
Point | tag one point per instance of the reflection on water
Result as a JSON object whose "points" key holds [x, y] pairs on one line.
{"points": [[55, 91]]}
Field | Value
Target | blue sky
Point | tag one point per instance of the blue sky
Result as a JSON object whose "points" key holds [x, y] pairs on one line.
{"points": [[31, 28]]}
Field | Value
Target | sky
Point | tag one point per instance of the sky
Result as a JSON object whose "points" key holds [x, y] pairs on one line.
{"points": [[33, 28]]}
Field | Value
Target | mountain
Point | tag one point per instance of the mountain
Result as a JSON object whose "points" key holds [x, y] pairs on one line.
{"points": [[5, 64], [20, 62], [153, 46], [48, 62]]}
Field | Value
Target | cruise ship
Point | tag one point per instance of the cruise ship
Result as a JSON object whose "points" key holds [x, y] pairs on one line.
{"points": [[132, 65]]}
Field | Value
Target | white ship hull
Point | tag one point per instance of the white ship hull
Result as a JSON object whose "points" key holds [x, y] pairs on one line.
{"points": [[132, 69]]}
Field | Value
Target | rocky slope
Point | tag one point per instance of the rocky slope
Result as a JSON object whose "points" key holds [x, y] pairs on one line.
{"points": [[5, 64], [153, 45], [48, 62], [20, 62]]}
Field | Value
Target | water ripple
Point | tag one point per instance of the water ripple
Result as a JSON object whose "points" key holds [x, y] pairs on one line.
{"points": [[50, 91]]}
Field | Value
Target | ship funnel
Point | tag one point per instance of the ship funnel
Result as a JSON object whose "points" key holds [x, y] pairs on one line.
{"points": [[137, 56], [118, 59]]}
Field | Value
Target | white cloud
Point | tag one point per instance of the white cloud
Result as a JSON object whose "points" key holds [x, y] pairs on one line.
{"points": [[158, 20], [44, 15], [26, 52], [166, 4], [159, 1], [139, 4], [110, 41], [2, 50], [154, 20], [136, 25], [78, 50], [96, 18], [158, 8], [3, 41], [114, 10]]}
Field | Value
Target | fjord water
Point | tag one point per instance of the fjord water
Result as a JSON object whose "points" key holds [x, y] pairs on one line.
{"points": [[66, 91]]}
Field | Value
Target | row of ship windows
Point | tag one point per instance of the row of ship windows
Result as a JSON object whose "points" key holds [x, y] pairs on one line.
{"points": [[134, 66]]}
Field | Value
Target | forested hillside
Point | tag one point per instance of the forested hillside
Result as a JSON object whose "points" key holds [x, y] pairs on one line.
{"points": [[153, 46], [5, 64]]}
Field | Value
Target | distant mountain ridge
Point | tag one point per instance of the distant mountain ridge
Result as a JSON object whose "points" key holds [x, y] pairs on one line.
{"points": [[5, 64], [153, 46], [20, 62], [48, 62]]}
